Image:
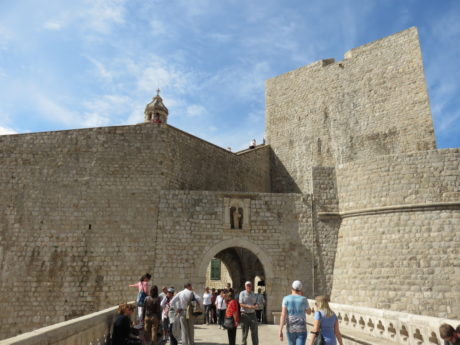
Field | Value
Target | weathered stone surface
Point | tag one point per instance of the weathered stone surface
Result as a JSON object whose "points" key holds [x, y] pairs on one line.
{"points": [[374, 102], [350, 196]]}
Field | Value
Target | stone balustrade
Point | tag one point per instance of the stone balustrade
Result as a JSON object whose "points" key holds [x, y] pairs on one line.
{"points": [[359, 325], [398, 327], [92, 329]]}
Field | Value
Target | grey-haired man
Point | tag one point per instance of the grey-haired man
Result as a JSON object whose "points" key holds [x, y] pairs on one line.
{"points": [[248, 314]]}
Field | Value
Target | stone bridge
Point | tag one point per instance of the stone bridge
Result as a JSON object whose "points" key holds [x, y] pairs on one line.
{"points": [[359, 326]]}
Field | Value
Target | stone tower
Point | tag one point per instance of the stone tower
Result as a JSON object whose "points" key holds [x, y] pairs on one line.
{"points": [[156, 111]]}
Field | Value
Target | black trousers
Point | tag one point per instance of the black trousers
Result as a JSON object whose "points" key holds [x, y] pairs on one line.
{"points": [[259, 315], [231, 336], [221, 316]]}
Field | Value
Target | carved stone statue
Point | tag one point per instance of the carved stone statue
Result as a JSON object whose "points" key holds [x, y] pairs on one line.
{"points": [[240, 218], [236, 217]]}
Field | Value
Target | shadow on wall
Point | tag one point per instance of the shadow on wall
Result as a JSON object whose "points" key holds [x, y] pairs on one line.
{"points": [[281, 180], [326, 237]]}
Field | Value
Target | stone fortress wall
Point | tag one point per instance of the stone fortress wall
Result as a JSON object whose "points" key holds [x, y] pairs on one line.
{"points": [[79, 212], [386, 219], [398, 239], [374, 102], [349, 196]]}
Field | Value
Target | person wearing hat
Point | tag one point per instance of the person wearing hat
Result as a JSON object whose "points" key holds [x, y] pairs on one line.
{"points": [[166, 320], [293, 314], [248, 318]]}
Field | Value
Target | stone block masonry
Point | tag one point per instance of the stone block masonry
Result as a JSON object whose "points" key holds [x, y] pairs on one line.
{"points": [[350, 196], [79, 212], [374, 102]]}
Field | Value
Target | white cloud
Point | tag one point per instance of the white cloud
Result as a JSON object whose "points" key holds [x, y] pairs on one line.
{"points": [[163, 76], [102, 71], [100, 15], [106, 110], [6, 131], [196, 110], [97, 113], [54, 111], [52, 25]]}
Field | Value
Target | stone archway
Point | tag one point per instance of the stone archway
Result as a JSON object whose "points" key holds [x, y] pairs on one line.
{"points": [[255, 250]]}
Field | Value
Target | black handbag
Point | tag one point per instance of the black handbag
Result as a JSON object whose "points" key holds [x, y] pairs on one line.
{"points": [[319, 339], [229, 323]]}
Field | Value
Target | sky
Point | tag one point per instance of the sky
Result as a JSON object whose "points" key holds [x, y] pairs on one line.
{"points": [[90, 63]]}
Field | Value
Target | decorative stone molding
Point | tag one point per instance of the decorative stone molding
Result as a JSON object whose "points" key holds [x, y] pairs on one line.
{"points": [[390, 209]]}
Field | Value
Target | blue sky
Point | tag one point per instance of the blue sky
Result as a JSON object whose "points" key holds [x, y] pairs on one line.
{"points": [[88, 63]]}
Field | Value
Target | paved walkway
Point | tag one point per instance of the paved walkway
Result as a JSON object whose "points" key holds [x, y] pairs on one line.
{"points": [[268, 335], [212, 335]]}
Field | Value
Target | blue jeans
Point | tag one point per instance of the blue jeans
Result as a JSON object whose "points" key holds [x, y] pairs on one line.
{"points": [[298, 338]]}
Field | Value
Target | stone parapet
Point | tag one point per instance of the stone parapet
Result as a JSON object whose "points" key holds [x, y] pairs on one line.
{"points": [[89, 329]]}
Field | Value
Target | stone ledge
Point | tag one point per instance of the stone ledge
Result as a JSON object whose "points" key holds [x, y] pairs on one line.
{"points": [[390, 209]]}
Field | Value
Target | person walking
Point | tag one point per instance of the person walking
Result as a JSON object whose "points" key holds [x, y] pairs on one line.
{"points": [[165, 316], [260, 301], [221, 307], [232, 312], [213, 306], [151, 316], [207, 296], [143, 287], [248, 314], [326, 323], [182, 303], [293, 313]]}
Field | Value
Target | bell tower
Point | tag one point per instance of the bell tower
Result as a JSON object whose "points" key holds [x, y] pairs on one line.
{"points": [[156, 111]]}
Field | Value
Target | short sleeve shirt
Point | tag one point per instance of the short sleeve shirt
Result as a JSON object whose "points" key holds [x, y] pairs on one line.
{"points": [[249, 299], [296, 319], [207, 299]]}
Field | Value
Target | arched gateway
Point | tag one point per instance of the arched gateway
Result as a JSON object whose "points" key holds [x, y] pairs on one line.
{"points": [[255, 250], [268, 246]]}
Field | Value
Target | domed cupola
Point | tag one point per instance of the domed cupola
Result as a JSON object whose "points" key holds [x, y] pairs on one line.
{"points": [[156, 111]]}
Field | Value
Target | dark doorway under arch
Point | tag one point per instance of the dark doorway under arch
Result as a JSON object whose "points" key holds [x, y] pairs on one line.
{"points": [[242, 265]]}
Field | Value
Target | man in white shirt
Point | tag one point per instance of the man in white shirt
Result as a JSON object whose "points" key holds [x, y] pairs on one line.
{"points": [[221, 308], [180, 302], [207, 306]]}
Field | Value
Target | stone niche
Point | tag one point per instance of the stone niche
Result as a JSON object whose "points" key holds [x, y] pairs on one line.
{"points": [[236, 213]]}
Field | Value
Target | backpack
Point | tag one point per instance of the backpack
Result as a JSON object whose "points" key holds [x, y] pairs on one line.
{"points": [[193, 308]]}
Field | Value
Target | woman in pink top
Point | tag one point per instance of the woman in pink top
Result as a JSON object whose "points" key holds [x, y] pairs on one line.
{"points": [[143, 286]]}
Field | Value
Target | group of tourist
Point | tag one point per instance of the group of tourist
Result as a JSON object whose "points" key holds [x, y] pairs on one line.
{"points": [[174, 314], [232, 311], [215, 304], [166, 314]]}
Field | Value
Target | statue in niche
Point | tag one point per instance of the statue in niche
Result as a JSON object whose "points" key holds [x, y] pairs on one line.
{"points": [[236, 217]]}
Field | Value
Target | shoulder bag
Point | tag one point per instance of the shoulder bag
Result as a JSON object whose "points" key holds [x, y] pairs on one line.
{"points": [[319, 339]]}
